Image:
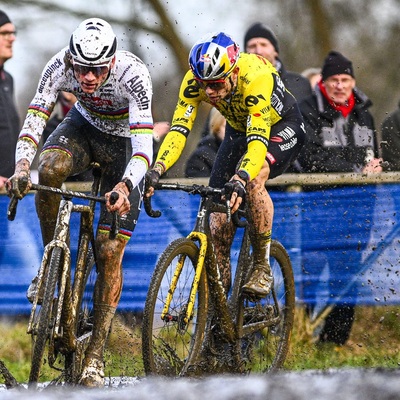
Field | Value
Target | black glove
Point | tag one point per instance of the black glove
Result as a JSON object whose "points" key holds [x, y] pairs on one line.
{"points": [[151, 179], [234, 186]]}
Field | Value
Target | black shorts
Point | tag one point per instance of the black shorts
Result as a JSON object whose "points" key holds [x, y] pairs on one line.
{"points": [[86, 144], [286, 140]]}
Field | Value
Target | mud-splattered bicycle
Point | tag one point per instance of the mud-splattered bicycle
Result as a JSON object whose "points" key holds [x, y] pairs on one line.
{"points": [[185, 285], [62, 322]]}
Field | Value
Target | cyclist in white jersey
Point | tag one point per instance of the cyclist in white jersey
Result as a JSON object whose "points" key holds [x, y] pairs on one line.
{"points": [[111, 123]]}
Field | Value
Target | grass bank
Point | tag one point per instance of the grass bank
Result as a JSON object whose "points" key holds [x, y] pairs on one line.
{"points": [[374, 342]]}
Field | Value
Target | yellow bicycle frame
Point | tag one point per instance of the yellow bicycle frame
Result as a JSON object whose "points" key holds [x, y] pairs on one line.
{"points": [[202, 239]]}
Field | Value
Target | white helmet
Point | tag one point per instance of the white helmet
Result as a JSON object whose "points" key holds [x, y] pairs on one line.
{"points": [[93, 43]]}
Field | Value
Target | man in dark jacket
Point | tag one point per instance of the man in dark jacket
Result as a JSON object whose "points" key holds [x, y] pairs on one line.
{"points": [[341, 137], [9, 119], [261, 40], [391, 141], [340, 129]]}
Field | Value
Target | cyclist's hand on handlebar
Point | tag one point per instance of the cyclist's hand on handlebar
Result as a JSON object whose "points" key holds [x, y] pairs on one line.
{"points": [[122, 205], [20, 183], [151, 179], [235, 191]]}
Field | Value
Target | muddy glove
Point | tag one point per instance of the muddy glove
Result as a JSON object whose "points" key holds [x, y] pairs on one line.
{"points": [[20, 183], [151, 179], [235, 192]]}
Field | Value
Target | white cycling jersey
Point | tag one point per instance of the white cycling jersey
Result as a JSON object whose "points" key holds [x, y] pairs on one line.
{"points": [[121, 107]]}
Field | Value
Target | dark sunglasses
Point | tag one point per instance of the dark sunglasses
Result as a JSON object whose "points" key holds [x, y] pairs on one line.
{"points": [[96, 71], [213, 85]]}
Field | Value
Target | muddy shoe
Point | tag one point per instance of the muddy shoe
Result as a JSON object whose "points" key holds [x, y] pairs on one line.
{"points": [[32, 291], [92, 374], [260, 283]]}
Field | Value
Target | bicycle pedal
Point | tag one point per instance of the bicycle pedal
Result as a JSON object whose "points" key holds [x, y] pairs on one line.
{"points": [[253, 298]]}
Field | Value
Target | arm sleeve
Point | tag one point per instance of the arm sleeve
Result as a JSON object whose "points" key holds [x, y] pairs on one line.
{"points": [[182, 123], [40, 108], [141, 128], [258, 125]]}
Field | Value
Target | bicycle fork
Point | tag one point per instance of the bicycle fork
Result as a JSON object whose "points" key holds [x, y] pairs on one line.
{"points": [[202, 239]]}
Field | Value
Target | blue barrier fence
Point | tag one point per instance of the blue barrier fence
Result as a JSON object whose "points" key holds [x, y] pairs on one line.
{"points": [[344, 244]]}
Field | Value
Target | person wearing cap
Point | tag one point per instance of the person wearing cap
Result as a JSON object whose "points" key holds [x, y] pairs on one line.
{"points": [[9, 118], [260, 39], [341, 137], [112, 115]]}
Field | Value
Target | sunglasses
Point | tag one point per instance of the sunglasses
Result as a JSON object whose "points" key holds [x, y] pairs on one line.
{"points": [[96, 71], [213, 85]]}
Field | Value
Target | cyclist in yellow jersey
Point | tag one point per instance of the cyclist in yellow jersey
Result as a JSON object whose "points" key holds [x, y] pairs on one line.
{"points": [[264, 133]]}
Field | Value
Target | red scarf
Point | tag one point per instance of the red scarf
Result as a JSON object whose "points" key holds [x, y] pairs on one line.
{"points": [[345, 109]]}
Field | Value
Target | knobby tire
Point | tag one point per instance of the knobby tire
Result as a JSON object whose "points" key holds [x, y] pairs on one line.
{"points": [[45, 323], [169, 347], [266, 351]]}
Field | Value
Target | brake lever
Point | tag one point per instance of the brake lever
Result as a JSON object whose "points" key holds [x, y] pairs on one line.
{"points": [[115, 217], [12, 208]]}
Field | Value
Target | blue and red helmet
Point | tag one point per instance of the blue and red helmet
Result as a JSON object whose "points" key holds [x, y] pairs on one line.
{"points": [[214, 56]]}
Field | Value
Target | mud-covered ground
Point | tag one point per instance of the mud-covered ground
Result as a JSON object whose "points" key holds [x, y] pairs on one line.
{"points": [[346, 384]]}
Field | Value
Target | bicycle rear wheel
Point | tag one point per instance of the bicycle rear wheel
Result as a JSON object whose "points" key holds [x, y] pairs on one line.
{"points": [[44, 321], [170, 344], [265, 349]]}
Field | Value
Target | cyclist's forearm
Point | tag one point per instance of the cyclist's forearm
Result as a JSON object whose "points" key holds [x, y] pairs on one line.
{"points": [[22, 165], [26, 149], [170, 151]]}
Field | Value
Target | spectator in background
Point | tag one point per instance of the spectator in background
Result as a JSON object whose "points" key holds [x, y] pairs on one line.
{"points": [[201, 161], [313, 75], [9, 119], [341, 137], [340, 129], [261, 40], [391, 141]]}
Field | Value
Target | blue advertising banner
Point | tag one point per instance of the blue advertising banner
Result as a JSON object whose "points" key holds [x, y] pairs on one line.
{"points": [[344, 245]]}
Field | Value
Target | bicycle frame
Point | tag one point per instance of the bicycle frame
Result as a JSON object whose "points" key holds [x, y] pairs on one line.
{"points": [[60, 315], [185, 308], [202, 235], [60, 240]]}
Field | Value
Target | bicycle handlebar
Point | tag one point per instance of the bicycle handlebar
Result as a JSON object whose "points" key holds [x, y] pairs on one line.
{"points": [[194, 189], [12, 205]]}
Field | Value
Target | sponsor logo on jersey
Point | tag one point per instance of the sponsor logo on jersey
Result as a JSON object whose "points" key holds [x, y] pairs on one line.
{"points": [[181, 129], [271, 158], [137, 89], [98, 101], [276, 103], [288, 145], [192, 90], [262, 139], [253, 100], [47, 74]]}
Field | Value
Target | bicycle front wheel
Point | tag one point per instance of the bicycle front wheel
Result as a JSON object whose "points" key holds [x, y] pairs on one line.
{"points": [[169, 342], [265, 349], [84, 320], [44, 325]]}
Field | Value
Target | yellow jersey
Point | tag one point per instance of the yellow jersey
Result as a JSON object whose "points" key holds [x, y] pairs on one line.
{"points": [[258, 101]]}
